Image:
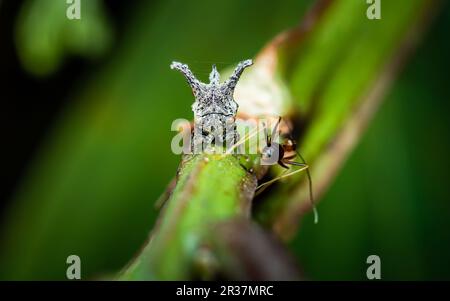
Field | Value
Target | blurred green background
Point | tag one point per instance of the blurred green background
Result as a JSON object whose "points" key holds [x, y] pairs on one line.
{"points": [[392, 198], [105, 156]]}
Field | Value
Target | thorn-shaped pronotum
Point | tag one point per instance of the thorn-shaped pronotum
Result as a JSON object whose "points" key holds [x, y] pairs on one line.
{"points": [[214, 76], [232, 81], [191, 79], [214, 107]]}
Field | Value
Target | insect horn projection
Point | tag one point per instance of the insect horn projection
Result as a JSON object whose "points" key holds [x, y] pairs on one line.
{"points": [[214, 107]]}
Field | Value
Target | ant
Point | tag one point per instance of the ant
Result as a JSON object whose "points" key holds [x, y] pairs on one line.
{"points": [[283, 154]]}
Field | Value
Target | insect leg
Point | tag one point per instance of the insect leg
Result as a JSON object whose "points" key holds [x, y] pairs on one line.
{"points": [[304, 167], [293, 162], [263, 186], [311, 196], [290, 157]]}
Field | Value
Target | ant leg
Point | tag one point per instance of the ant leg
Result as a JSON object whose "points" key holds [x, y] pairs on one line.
{"points": [[293, 162], [263, 186], [281, 163], [290, 157], [311, 197], [304, 167]]}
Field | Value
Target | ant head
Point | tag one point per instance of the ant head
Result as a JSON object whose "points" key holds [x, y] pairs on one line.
{"points": [[270, 154]]}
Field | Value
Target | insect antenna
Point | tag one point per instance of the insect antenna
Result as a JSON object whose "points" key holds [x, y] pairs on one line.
{"points": [[266, 135], [244, 139], [275, 128]]}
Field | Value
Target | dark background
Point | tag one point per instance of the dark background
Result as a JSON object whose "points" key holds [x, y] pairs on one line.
{"points": [[30, 104]]}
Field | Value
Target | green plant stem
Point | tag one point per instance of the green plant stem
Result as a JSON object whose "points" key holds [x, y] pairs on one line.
{"points": [[210, 189]]}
